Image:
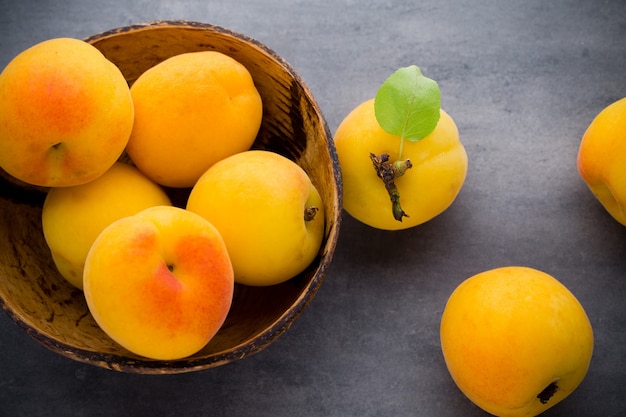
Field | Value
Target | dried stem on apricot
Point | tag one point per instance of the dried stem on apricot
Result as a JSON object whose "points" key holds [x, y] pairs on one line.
{"points": [[547, 393], [309, 213], [388, 172]]}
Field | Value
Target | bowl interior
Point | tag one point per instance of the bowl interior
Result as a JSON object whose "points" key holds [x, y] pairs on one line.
{"points": [[54, 313]]}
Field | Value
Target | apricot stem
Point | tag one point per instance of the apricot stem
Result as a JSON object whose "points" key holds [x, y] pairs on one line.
{"points": [[547, 393], [400, 167], [309, 213], [388, 172]]}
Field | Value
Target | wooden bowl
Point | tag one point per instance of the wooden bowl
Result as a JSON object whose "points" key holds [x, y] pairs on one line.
{"points": [[55, 314]]}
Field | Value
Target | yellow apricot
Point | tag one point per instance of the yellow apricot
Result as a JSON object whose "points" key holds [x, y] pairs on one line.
{"points": [[515, 340], [73, 217], [427, 189], [191, 111], [260, 202], [601, 159]]}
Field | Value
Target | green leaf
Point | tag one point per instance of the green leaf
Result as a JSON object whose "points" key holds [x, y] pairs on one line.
{"points": [[407, 104]]}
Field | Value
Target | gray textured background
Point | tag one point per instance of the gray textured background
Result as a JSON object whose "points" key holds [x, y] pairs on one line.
{"points": [[521, 79]]}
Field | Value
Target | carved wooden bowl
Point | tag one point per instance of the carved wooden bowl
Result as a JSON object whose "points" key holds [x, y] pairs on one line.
{"points": [[55, 314]]}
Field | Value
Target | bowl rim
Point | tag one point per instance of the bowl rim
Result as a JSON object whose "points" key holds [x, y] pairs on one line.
{"points": [[279, 325]]}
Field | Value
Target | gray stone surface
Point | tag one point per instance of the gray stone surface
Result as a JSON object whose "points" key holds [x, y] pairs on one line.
{"points": [[521, 79]]}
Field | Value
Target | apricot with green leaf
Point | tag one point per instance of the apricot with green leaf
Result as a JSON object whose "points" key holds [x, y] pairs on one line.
{"points": [[401, 158]]}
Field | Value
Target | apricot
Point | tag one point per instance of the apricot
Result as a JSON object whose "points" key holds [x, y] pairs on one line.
{"points": [[66, 114], [160, 282], [191, 111], [439, 167], [601, 159], [268, 212], [515, 340], [73, 217]]}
